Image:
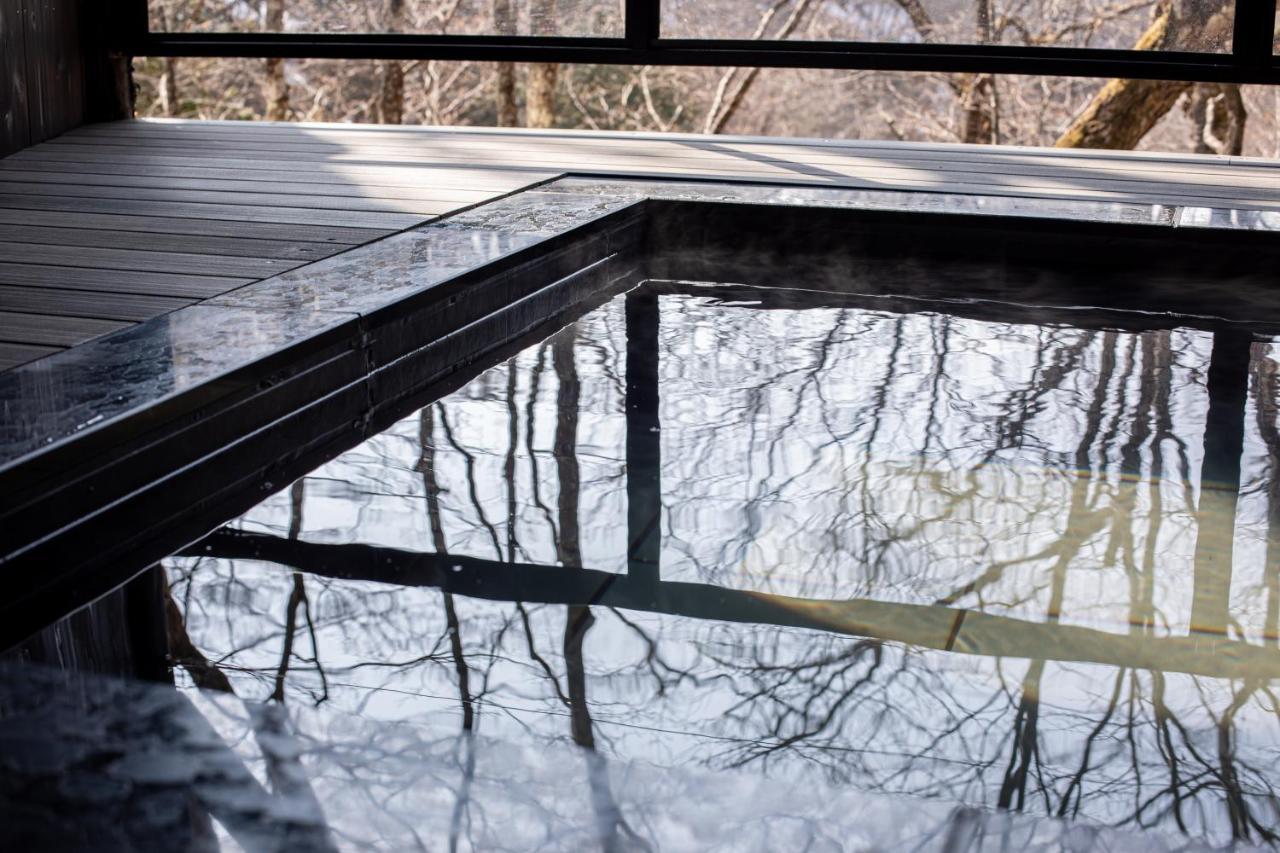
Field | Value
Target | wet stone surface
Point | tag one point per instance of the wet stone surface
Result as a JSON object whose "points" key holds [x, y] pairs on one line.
{"points": [[89, 386], [379, 274], [923, 202], [900, 552], [130, 370], [1229, 218], [145, 767], [538, 212]]}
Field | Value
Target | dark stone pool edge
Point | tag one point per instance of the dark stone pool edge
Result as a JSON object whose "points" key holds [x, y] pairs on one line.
{"points": [[88, 388], [76, 507], [92, 429]]}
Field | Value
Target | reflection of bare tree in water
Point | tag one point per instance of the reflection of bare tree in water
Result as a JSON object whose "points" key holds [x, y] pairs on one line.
{"points": [[1097, 428], [466, 744], [1266, 396], [810, 694], [298, 600], [613, 831], [284, 771]]}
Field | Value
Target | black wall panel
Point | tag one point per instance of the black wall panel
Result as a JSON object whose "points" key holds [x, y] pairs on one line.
{"points": [[55, 69]]}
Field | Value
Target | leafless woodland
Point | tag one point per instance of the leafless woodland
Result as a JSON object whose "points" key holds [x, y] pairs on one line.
{"points": [[1173, 116]]}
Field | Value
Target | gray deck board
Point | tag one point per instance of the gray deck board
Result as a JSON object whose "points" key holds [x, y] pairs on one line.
{"points": [[466, 186], [190, 244], [115, 223], [51, 330], [143, 260], [381, 184], [245, 232], [12, 355], [364, 166], [251, 193], [229, 211], [1047, 177], [119, 281], [403, 142], [86, 303], [487, 147]]}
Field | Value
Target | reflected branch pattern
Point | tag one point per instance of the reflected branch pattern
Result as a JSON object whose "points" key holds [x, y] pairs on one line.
{"points": [[1021, 565]]}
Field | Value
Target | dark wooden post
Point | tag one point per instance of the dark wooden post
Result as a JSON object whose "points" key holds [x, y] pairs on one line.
{"points": [[63, 63], [108, 31]]}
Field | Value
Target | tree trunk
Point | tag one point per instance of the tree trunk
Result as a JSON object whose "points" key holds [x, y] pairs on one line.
{"points": [[169, 87], [540, 95], [978, 91], [277, 90], [723, 109], [506, 95], [978, 121], [1218, 115], [1122, 113], [391, 97], [540, 80], [504, 23]]}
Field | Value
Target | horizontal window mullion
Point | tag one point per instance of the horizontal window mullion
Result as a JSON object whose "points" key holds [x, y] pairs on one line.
{"points": [[996, 59]]}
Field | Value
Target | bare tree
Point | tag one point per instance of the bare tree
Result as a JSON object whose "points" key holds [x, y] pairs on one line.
{"points": [[542, 78], [973, 108], [1218, 115], [277, 88], [505, 72], [391, 98], [1125, 111], [735, 84], [167, 89]]}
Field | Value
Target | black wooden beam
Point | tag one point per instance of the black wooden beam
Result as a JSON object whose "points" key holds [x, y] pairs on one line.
{"points": [[1251, 62], [1253, 39], [643, 23], [993, 59]]}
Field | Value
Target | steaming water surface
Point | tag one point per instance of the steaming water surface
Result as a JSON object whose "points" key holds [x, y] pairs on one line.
{"points": [[946, 556]]}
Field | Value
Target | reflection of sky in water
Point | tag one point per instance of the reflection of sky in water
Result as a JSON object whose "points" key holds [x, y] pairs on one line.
{"points": [[1044, 473]]}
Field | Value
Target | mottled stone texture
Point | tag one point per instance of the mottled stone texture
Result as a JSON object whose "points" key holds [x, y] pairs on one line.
{"points": [[896, 200], [103, 764], [89, 386], [183, 353]]}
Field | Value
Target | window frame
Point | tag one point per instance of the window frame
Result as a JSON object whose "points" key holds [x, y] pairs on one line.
{"points": [[1251, 60]]}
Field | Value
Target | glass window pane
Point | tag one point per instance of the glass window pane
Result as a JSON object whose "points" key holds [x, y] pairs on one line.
{"points": [[811, 104], [427, 17], [1196, 25]]}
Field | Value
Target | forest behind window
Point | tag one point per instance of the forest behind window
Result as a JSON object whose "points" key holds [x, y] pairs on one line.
{"points": [[1207, 118]]}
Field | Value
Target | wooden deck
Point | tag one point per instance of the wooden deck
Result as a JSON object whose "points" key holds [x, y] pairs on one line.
{"points": [[111, 224]]}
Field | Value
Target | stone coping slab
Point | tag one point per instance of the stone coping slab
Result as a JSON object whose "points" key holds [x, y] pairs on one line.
{"points": [[199, 351]]}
